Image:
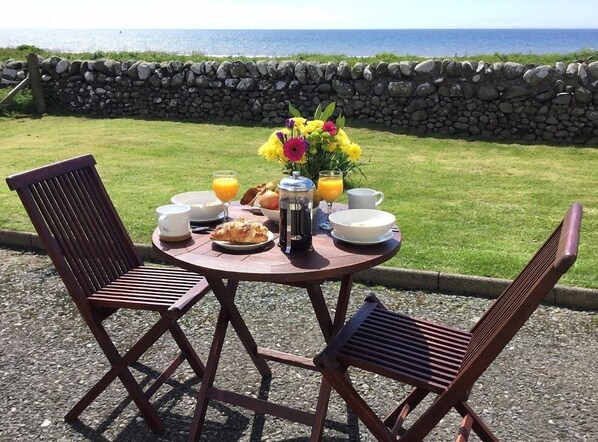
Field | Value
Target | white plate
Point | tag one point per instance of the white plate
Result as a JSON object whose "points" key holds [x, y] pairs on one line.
{"points": [[207, 220], [231, 246], [378, 240]]}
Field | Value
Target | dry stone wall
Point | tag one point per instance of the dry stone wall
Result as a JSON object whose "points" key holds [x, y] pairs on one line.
{"points": [[504, 101]]}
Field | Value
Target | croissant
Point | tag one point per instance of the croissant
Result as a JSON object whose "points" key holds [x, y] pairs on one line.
{"points": [[240, 232]]}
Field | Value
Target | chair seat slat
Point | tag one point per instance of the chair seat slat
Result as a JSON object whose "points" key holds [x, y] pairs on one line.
{"points": [[416, 333], [130, 303], [135, 295], [139, 288], [402, 363], [413, 377], [404, 349], [393, 317]]}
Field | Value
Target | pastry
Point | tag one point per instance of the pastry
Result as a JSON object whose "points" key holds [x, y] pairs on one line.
{"points": [[240, 231]]}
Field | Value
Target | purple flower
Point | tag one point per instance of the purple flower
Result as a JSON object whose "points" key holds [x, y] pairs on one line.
{"points": [[280, 136], [289, 123]]}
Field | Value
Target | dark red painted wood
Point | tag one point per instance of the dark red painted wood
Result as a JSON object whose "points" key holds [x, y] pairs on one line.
{"points": [[437, 359], [329, 259], [95, 257]]}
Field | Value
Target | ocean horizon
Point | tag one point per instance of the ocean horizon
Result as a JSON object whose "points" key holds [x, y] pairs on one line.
{"points": [[282, 43]]}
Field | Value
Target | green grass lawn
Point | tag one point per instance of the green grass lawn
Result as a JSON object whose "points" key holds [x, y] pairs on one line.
{"points": [[469, 207], [20, 52]]}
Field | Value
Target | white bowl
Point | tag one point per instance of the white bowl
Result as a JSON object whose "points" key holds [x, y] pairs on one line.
{"points": [[361, 224], [272, 214], [205, 206]]}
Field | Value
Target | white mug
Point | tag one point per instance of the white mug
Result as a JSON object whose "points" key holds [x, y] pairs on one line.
{"points": [[362, 198], [174, 221]]}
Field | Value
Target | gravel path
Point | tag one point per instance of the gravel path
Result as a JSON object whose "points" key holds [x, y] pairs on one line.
{"points": [[542, 388]]}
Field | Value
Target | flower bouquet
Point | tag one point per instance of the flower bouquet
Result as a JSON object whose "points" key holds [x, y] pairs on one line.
{"points": [[310, 146]]}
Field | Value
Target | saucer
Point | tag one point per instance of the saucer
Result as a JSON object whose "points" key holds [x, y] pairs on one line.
{"points": [[175, 238], [380, 239], [208, 220], [234, 246]]}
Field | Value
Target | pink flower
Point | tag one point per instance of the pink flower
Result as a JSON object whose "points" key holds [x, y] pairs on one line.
{"points": [[329, 127], [294, 148]]}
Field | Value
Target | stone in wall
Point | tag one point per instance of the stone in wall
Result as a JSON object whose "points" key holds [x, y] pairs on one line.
{"points": [[505, 101]]}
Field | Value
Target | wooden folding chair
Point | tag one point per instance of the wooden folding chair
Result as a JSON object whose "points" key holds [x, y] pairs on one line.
{"points": [[437, 359], [101, 269]]}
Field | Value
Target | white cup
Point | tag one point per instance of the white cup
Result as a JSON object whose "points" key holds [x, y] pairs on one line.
{"points": [[362, 198], [173, 221]]}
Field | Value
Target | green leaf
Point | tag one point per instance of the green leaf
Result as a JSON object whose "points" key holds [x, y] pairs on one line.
{"points": [[340, 122], [318, 113], [328, 111], [293, 111]]}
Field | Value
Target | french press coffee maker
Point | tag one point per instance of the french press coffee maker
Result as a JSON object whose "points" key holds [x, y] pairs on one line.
{"points": [[296, 202]]}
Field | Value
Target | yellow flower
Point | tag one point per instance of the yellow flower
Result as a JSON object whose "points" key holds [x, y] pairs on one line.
{"points": [[269, 150], [353, 151], [343, 139], [299, 121], [332, 147], [311, 126]]}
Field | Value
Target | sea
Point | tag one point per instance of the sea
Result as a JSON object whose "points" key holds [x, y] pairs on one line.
{"points": [[283, 43]]}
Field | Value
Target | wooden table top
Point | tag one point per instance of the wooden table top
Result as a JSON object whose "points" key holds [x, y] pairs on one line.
{"points": [[330, 257]]}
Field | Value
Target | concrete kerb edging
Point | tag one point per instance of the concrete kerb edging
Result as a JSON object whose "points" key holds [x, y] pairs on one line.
{"points": [[449, 283]]}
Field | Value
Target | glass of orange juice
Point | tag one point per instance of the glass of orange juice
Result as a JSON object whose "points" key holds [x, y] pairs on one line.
{"points": [[225, 185], [330, 187]]}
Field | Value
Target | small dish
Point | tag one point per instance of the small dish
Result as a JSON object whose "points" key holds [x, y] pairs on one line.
{"points": [[175, 238], [233, 246], [207, 220], [380, 239], [272, 214]]}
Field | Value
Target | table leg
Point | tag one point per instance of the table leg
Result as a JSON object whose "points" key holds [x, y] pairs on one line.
{"points": [[320, 309], [199, 415], [226, 298], [342, 305], [228, 313]]}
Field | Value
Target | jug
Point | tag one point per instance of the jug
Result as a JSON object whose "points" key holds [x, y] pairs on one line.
{"points": [[296, 202]]}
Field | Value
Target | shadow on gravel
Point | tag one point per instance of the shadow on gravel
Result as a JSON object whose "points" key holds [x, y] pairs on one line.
{"points": [[233, 427]]}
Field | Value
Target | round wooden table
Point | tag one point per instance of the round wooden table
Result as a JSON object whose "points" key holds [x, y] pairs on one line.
{"points": [[329, 259]]}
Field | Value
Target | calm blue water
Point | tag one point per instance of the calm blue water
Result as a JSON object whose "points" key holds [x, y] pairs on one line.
{"points": [[422, 42]]}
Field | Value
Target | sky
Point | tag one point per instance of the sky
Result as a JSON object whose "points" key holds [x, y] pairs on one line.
{"points": [[303, 14]]}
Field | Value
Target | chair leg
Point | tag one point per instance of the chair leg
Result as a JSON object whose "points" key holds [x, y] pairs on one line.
{"points": [[465, 429], [345, 389], [321, 411], [428, 420], [188, 351], [477, 424], [120, 369], [396, 418]]}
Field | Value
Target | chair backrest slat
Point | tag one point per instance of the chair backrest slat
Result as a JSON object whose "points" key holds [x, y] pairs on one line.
{"points": [[521, 298], [54, 215], [77, 223], [512, 300], [102, 229]]}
